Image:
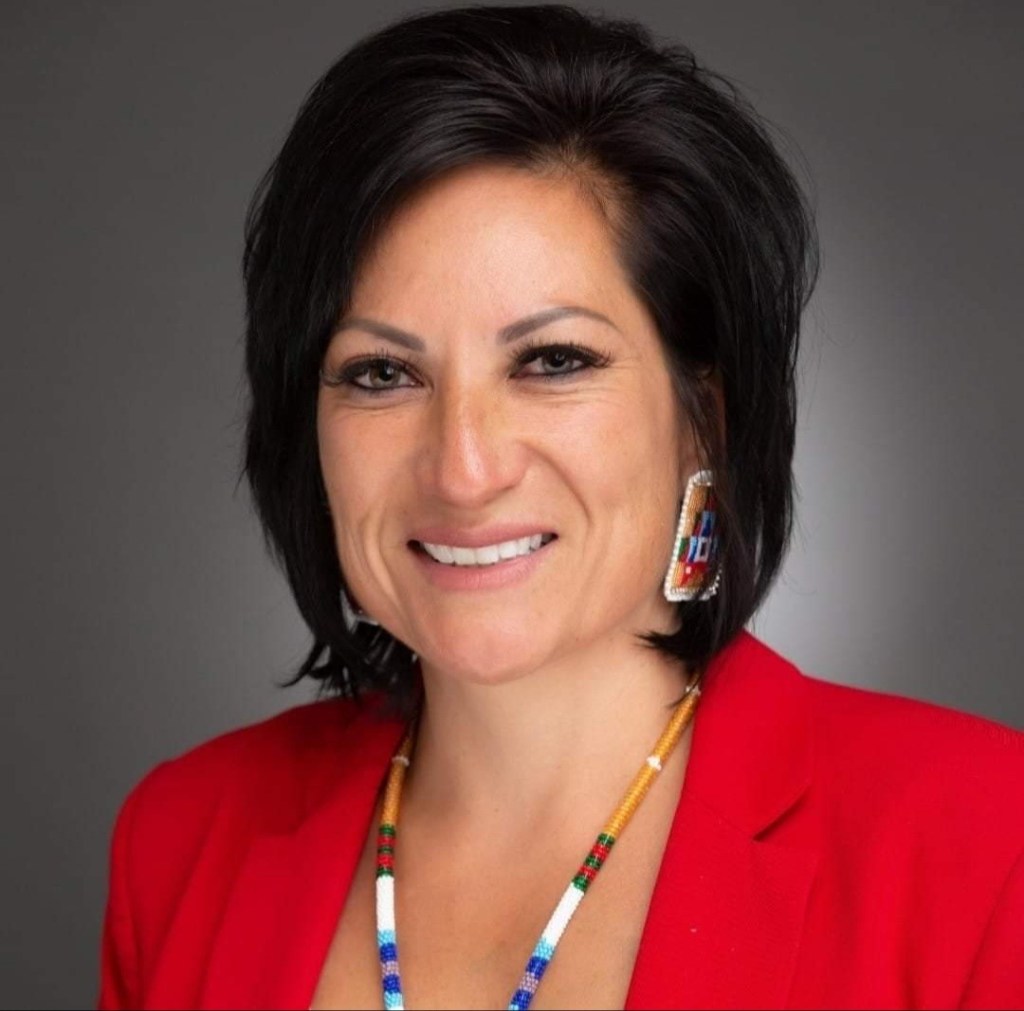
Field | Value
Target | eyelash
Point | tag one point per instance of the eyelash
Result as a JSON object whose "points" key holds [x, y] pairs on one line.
{"points": [[349, 373]]}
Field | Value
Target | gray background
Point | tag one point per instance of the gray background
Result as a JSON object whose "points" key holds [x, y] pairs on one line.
{"points": [[140, 614]]}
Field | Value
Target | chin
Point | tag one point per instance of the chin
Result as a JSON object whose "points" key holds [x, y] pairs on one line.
{"points": [[486, 656]]}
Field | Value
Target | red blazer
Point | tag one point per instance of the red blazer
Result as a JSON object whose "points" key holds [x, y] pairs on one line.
{"points": [[831, 847]]}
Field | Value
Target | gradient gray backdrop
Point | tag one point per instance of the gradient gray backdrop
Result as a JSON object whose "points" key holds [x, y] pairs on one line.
{"points": [[140, 613]]}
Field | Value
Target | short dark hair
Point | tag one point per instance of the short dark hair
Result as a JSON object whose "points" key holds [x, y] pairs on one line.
{"points": [[710, 224]]}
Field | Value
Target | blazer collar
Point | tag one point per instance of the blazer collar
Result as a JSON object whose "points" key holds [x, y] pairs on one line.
{"points": [[724, 921], [290, 889], [751, 758]]}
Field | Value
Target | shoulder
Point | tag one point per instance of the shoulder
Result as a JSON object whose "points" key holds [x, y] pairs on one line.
{"points": [[922, 789], [263, 777], [190, 823], [880, 737], [916, 814], [893, 743], [879, 766]]}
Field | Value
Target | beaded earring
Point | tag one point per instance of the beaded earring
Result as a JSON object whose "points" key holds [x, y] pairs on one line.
{"points": [[696, 544]]}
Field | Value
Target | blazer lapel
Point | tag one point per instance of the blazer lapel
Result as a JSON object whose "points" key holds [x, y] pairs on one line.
{"points": [[724, 923], [291, 888]]}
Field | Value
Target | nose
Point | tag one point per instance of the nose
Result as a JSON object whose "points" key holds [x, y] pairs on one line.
{"points": [[471, 451]]}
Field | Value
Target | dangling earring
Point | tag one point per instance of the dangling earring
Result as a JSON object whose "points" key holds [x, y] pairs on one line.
{"points": [[352, 617], [696, 545]]}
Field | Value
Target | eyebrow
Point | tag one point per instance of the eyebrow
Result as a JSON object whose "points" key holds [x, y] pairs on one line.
{"points": [[508, 333]]}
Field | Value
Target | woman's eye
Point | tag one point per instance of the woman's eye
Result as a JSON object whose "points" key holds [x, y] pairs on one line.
{"points": [[557, 360], [374, 374], [381, 375]]}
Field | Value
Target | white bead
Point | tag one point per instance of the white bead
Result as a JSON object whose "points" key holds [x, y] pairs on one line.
{"points": [[385, 902], [560, 918]]}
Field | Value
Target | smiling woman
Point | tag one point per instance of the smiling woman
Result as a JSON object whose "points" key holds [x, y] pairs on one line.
{"points": [[559, 429], [524, 292]]}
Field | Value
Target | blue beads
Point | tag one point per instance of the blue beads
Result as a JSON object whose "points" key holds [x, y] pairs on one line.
{"points": [[520, 1000], [536, 966]]}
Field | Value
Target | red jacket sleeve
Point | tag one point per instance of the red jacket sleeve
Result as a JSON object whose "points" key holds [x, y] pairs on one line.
{"points": [[119, 964], [997, 977]]}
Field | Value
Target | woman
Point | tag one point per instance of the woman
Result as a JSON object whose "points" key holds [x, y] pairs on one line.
{"points": [[523, 299]]}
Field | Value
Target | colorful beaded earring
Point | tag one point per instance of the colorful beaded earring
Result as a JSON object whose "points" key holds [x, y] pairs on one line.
{"points": [[696, 544]]}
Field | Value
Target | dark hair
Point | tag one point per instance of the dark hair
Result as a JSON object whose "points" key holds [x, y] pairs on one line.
{"points": [[711, 228]]}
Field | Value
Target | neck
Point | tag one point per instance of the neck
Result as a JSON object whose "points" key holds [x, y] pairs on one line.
{"points": [[568, 738]]}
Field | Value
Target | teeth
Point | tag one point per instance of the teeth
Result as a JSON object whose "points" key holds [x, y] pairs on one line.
{"points": [[488, 555]]}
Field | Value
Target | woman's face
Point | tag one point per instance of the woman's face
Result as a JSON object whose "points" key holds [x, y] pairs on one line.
{"points": [[458, 430]]}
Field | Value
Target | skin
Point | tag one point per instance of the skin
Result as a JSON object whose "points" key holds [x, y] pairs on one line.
{"points": [[527, 682]]}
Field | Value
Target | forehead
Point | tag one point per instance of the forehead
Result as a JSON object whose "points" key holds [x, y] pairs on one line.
{"points": [[496, 243]]}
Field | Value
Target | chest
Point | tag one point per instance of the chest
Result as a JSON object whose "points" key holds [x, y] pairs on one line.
{"points": [[465, 933]]}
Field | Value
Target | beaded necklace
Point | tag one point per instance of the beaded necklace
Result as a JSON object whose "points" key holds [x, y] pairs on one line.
{"points": [[543, 952]]}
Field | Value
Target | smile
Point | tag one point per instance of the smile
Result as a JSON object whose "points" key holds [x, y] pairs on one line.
{"points": [[490, 554]]}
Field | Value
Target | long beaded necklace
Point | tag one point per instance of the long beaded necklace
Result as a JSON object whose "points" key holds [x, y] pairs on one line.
{"points": [[543, 952]]}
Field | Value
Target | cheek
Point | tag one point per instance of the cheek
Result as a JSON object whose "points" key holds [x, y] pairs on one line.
{"points": [[622, 452], [354, 464]]}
